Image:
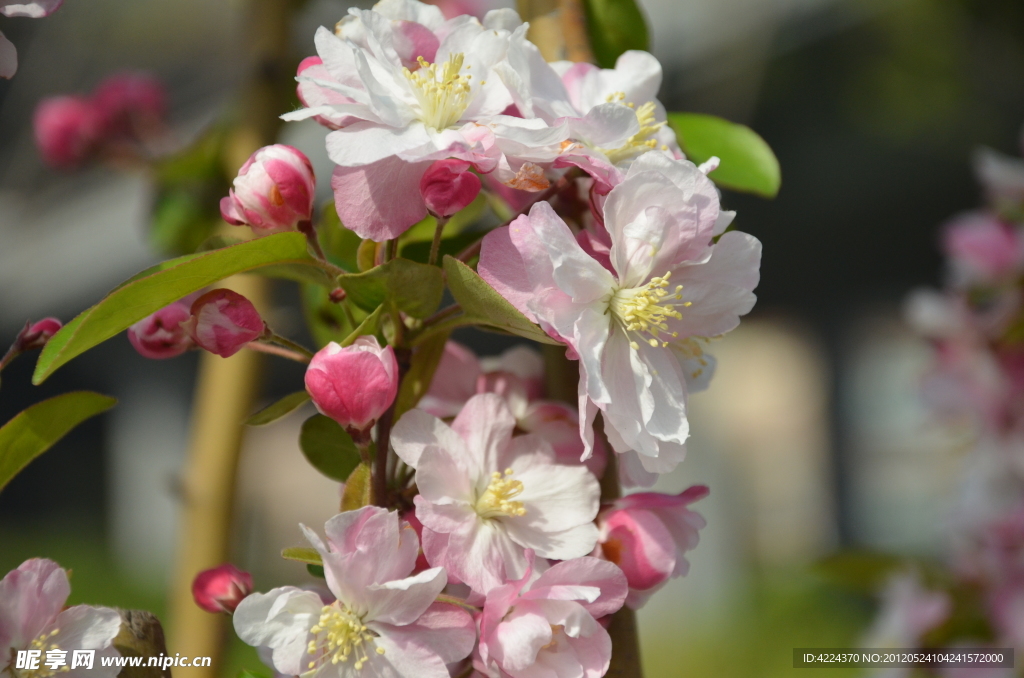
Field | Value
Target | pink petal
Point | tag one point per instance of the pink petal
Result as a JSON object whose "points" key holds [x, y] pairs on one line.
{"points": [[365, 197]]}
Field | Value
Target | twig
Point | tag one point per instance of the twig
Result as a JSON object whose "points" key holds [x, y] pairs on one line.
{"points": [[279, 351], [436, 245]]}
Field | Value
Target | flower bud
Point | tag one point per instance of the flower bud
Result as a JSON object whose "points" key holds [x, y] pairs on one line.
{"points": [[223, 322], [273, 191], [647, 534], [35, 335], [127, 101], [353, 386], [221, 588], [67, 130], [161, 335], [448, 186]]}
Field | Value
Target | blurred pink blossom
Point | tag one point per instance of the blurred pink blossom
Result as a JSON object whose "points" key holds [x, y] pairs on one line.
{"points": [[221, 588], [128, 103], [68, 130]]}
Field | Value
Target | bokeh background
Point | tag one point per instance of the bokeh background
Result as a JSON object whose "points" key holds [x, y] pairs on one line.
{"points": [[812, 438]]}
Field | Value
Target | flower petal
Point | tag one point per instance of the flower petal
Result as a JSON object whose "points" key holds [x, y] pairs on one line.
{"points": [[279, 619]]}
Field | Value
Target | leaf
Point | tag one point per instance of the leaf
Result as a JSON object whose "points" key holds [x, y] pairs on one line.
{"points": [[339, 244], [137, 298], [328, 448], [35, 430], [483, 305], [302, 554], [358, 489], [615, 26], [419, 251], [246, 673], [279, 409], [421, 371], [328, 321], [747, 162], [414, 288], [863, 571], [316, 570], [370, 325], [366, 254]]}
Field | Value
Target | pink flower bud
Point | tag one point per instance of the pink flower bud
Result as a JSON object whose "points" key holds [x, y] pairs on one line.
{"points": [[222, 588], [126, 101], [273, 191], [223, 322], [646, 534], [448, 186], [161, 335], [353, 386], [35, 335], [67, 130]]}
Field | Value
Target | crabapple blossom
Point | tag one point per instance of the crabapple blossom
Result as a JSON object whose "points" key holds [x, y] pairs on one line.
{"points": [[223, 322], [908, 612], [221, 588], [273, 191], [646, 535], [36, 334], [160, 335], [34, 10], [983, 249], [353, 385], [448, 186], [67, 130], [547, 625], [1002, 178], [124, 100], [485, 497], [403, 87], [639, 317], [33, 617], [518, 376], [383, 621]]}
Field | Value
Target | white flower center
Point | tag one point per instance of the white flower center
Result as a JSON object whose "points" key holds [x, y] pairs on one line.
{"points": [[340, 635], [498, 499], [646, 310], [441, 90], [642, 141], [43, 645]]}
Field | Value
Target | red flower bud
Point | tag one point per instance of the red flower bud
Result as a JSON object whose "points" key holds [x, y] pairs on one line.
{"points": [[161, 335], [355, 385], [67, 130], [35, 335], [223, 322], [448, 186], [124, 100], [273, 191], [222, 588]]}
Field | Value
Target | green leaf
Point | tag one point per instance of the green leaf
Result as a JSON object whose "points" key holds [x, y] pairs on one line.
{"points": [[358, 489], [316, 570], [246, 673], [421, 371], [338, 243], [279, 409], [413, 287], [136, 299], [327, 321], [302, 554], [747, 162], [419, 251], [370, 325], [615, 26], [328, 448], [482, 305], [35, 430], [863, 571]]}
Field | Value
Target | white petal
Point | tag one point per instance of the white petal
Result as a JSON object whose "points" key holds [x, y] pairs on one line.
{"points": [[416, 430], [279, 619], [403, 601]]}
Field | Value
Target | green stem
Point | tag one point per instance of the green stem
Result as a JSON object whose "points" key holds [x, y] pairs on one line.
{"points": [[275, 338], [452, 600], [279, 351], [435, 247], [308, 230]]}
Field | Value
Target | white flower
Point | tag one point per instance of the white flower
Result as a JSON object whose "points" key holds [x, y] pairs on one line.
{"points": [[485, 497]]}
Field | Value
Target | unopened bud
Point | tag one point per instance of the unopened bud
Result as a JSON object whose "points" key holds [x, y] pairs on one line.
{"points": [[448, 186], [67, 130], [223, 322], [273, 191], [35, 335], [126, 101], [222, 588], [161, 335], [355, 385]]}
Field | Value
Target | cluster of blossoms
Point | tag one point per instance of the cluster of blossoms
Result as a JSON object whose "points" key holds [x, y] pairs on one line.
{"points": [[124, 111], [975, 383]]}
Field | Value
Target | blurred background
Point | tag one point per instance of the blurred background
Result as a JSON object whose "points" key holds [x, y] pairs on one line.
{"points": [[812, 438]]}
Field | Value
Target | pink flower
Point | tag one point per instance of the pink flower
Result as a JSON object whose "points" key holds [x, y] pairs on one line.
{"points": [[547, 625], [647, 534], [517, 375], [448, 186], [355, 385], [67, 130], [273, 191], [33, 617], [638, 320], [383, 620], [35, 335], [223, 322], [485, 497], [35, 10], [128, 102], [983, 249], [908, 612], [221, 588], [161, 335]]}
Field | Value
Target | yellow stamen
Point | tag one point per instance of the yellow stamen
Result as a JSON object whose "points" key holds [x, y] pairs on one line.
{"points": [[340, 635], [646, 310], [498, 499], [442, 92], [43, 644], [642, 141]]}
